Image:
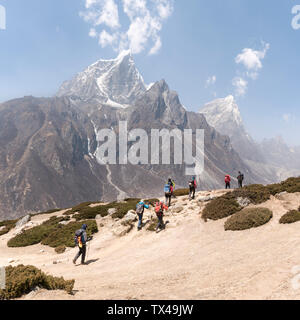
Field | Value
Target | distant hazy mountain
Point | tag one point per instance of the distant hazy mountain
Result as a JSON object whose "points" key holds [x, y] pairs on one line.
{"points": [[272, 160]]}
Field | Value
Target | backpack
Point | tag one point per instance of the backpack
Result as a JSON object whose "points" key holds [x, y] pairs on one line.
{"points": [[158, 208], [77, 238], [167, 188], [139, 208]]}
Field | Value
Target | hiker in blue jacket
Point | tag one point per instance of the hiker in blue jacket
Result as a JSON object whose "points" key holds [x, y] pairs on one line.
{"points": [[140, 207]]}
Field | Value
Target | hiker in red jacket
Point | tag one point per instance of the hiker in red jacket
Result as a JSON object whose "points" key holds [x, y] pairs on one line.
{"points": [[159, 210], [227, 181]]}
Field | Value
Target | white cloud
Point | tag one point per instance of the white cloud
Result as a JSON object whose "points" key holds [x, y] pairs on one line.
{"points": [[211, 81], [93, 33], [240, 85], [252, 59], [101, 12], [106, 38], [146, 18]]}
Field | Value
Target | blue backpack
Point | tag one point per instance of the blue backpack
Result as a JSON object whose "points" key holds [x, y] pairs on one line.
{"points": [[167, 188]]}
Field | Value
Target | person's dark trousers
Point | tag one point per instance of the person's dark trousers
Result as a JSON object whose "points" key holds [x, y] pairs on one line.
{"points": [[81, 252], [227, 185], [160, 222], [140, 215], [240, 184], [168, 199], [192, 193]]}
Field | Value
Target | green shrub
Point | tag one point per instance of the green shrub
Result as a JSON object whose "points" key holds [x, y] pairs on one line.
{"points": [[8, 224], [52, 233], [256, 193], [248, 218], [22, 279], [60, 249], [181, 192], [64, 235], [290, 217], [220, 208]]}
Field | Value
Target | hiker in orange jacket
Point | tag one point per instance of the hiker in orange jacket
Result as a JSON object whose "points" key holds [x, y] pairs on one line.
{"points": [[159, 210], [227, 181]]}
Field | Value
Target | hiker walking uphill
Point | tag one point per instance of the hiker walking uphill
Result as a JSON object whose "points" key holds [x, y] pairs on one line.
{"points": [[240, 179], [159, 210], [168, 189], [192, 187], [81, 240], [140, 207], [227, 181]]}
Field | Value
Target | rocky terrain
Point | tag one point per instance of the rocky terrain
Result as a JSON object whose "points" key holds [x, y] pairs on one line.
{"points": [[190, 259]]}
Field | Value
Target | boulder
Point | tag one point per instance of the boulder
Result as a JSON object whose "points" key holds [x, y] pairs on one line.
{"points": [[98, 217], [243, 202], [111, 211], [23, 221], [130, 216], [64, 222], [2, 228]]}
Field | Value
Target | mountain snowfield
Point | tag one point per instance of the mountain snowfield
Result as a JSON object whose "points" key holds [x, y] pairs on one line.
{"points": [[115, 82]]}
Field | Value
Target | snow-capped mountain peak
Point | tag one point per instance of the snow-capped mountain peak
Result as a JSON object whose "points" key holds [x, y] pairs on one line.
{"points": [[223, 111], [116, 82]]}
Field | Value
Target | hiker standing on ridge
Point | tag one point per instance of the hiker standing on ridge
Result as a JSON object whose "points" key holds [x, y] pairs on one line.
{"points": [[240, 179], [159, 210], [192, 186], [168, 189], [227, 181], [80, 241], [140, 207]]}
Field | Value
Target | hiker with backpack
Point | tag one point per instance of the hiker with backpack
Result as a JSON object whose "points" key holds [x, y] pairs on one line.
{"points": [[168, 190], [81, 240], [140, 207], [240, 179], [159, 210], [227, 181], [192, 187]]}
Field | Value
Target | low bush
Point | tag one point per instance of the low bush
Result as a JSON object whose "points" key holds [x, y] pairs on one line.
{"points": [[256, 193], [220, 208], [8, 225], [290, 217], [248, 218], [22, 279], [52, 233]]}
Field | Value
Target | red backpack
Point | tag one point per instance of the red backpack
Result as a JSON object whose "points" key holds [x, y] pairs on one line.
{"points": [[159, 208]]}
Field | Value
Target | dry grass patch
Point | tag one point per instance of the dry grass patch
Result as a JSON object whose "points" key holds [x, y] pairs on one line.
{"points": [[220, 208]]}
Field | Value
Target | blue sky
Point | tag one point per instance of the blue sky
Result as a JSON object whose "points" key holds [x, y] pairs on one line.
{"points": [[47, 42]]}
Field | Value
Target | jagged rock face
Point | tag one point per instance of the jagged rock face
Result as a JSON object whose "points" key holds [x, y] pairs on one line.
{"points": [[116, 82], [43, 151]]}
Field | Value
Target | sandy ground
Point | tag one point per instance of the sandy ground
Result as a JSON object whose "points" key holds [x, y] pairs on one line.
{"points": [[191, 259]]}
